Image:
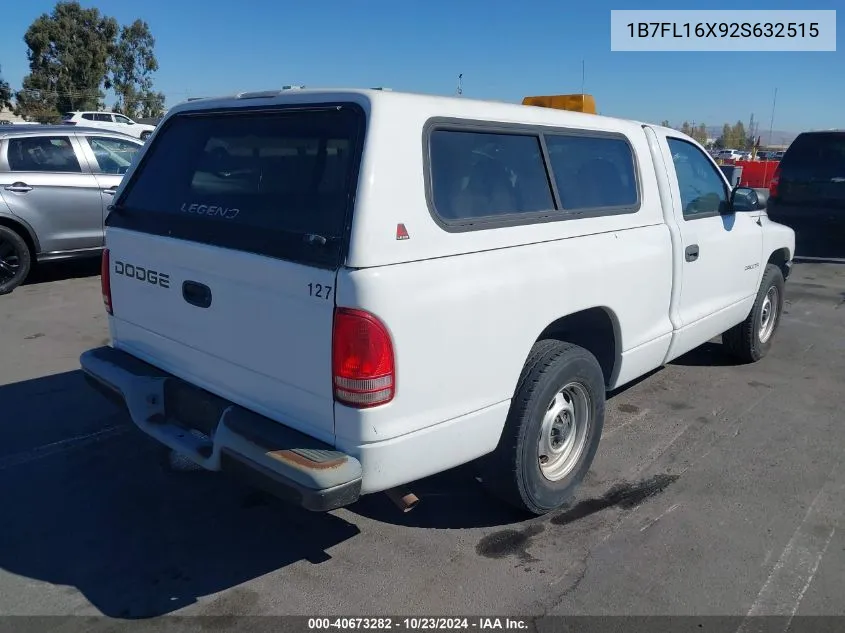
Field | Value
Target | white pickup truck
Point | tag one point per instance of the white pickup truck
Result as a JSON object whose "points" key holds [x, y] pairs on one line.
{"points": [[339, 292]]}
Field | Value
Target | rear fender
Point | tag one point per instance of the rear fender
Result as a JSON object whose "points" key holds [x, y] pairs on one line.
{"points": [[12, 221]]}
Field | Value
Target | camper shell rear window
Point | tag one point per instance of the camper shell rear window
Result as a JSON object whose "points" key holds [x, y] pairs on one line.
{"points": [[277, 182]]}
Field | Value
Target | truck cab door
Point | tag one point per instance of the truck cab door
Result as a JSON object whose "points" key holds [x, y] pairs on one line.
{"points": [[719, 250]]}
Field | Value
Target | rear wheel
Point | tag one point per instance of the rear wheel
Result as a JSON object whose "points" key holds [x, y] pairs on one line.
{"points": [[752, 339], [145, 135], [552, 431], [15, 260]]}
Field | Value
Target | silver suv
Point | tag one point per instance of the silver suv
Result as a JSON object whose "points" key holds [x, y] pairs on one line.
{"points": [[56, 183]]}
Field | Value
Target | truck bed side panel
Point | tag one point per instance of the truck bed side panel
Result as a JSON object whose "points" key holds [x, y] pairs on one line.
{"points": [[463, 326]]}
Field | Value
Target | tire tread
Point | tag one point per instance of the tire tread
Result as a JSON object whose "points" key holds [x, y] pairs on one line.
{"points": [[502, 470], [25, 259], [741, 340]]}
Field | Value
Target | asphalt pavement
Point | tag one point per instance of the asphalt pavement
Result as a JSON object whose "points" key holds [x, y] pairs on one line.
{"points": [[718, 489]]}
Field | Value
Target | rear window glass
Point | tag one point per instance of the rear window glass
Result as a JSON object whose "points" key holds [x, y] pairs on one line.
{"points": [[592, 172], [483, 175], [276, 183], [42, 153], [816, 150]]}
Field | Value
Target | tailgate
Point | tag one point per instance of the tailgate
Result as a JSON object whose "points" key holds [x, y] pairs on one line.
{"points": [[223, 250], [263, 341]]}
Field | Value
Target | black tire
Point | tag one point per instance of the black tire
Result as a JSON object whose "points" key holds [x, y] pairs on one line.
{"points": [[145, 135], [15, 260], [513, 471], [744, 341]]}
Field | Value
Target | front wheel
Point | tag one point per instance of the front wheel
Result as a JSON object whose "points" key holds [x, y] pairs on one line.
{"points": [[552, 431], [752, 339], [15, 260]]}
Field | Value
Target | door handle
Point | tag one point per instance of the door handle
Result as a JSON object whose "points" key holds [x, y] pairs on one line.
{"points": [[691, 252], [111, 191], [18, 187], [196, 294]]}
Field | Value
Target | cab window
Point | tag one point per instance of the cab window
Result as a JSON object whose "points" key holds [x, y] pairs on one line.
{"points": [[703, 190]]}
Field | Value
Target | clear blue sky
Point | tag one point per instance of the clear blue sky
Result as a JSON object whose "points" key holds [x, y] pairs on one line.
{"points": [[505, 50]]}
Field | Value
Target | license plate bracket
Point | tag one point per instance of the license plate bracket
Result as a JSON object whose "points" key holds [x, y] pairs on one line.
{"points": [[192, 408]]}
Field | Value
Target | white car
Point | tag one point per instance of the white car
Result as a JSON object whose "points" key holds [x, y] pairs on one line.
{"points": [[336, 293], [109, 121], [729, 154]]}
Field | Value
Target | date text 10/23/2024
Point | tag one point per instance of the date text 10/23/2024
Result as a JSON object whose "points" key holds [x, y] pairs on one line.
{"points": [[417, 623]]}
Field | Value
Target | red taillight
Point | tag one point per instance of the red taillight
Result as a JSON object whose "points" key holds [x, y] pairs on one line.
{"points": [[105, 280], [774, 182], [363, 369]]}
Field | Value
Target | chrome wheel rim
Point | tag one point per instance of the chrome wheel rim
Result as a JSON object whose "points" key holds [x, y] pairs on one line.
{"points": [[768, 314], [10, 261], [563, 433]]}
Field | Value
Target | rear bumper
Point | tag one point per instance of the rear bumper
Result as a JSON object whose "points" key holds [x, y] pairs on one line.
{"points": [[221, 436]]}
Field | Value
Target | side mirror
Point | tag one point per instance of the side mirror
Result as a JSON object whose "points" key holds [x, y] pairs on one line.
{"points": [[745, 199]]}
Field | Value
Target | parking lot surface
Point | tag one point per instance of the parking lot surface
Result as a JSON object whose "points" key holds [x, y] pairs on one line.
{"points": [[718, 489]]}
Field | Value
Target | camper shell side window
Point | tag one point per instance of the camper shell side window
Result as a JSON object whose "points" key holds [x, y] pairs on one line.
{"points": [[482, 175]]}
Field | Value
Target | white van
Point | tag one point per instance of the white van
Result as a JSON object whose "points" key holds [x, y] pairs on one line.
{"points": [[340, 292]]}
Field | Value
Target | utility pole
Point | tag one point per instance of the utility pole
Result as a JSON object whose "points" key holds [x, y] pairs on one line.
{"points": [[771, 128], [772, 122], [460, 89], [750, 132]]}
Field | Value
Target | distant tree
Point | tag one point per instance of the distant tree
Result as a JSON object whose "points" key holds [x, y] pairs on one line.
{"points": [[69, 51], [75, 53], [740, 138], [132, 64], [686, 129], [5, 93], [726, 141], [700, 134], [152, 105], [665, 123], [37, 99]]}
